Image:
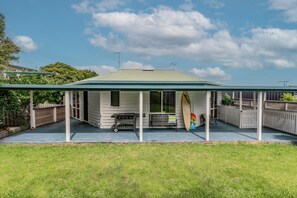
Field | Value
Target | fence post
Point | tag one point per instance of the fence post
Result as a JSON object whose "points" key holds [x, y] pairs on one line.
{"points": [[55, 114], [286, 106], [295, 132]]}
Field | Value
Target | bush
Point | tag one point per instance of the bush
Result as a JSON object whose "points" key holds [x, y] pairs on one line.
{"points": [[227, 100], [288, 97]]}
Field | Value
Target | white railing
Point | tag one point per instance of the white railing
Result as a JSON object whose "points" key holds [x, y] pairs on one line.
{"points": [[229, 115], [248, 119], [240, 118], [280, 120]]}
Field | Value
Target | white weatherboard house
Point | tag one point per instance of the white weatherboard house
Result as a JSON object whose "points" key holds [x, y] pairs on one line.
{"points": [[152, 95], [97, 107]]}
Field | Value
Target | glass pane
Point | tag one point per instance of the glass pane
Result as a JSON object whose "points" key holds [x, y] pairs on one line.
{"points": [[169, 101], [155, 101], [115, 98]]}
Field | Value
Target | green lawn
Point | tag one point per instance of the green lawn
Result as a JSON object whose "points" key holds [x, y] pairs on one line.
{"points": [[148, 170]]}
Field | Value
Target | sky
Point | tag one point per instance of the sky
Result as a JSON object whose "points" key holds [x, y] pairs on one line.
{"points": [[247, 42]]}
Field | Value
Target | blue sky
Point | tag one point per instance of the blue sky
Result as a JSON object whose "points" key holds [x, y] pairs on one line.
{"points": [[233, 42]]}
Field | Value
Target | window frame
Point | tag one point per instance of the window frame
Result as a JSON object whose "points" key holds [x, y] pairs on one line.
{"points": [[119, 99], [162, 103]]}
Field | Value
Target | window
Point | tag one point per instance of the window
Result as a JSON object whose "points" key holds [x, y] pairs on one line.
{"points": [[162, 101], [115, 98], [169, 101], [155, 101]]}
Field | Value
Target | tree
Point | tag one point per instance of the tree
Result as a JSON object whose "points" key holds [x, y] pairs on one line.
{"points": [[64, 74], [8, 50]]}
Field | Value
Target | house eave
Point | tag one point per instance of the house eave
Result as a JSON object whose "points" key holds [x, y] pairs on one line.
{"points": [[144, 87]]}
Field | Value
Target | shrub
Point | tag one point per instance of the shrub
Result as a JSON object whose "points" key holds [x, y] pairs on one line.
{"points": [[288, 97], [227, 100]]}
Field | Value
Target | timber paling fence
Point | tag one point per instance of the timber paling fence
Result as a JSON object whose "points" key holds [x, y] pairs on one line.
{"points": [[44, 114], [14, 118], [48, 113]]}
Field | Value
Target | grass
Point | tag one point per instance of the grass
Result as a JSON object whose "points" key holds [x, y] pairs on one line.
{"points": [[148, 170]]}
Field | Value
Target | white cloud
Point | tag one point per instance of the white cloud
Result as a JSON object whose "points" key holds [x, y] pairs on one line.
{"points": [[189, 34], [90, 6], [151, 34], [187, 6], [82, 7], [102, 69], [26, 43], [216, 4], [211, 72], [106, 5], [136, 65], [288, 7]]}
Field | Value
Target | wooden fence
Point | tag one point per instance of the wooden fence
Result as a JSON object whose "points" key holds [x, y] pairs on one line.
{"points": [[14, 118], [49, 114]]}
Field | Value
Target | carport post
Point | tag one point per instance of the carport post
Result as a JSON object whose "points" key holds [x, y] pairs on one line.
{"points": [[207, 115], [259, 116], [140, 116], [32, 112], [254, 97], [240, 100], [67, 116]]}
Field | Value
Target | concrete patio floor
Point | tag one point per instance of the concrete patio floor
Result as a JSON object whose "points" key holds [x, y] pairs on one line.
{"points": [[82, 132]]}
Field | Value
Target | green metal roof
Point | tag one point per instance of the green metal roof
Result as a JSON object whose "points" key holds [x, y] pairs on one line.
{"points": [[145, 87], [136, 80], [149, 76]]}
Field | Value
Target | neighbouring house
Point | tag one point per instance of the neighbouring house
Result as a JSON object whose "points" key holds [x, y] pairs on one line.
{"points": [[17, 68], [97, 107]]}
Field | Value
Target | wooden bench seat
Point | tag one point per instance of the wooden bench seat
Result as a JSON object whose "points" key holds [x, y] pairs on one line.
{"points": [[163, 120]]}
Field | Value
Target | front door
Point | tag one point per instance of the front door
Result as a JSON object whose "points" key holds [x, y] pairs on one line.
{"points": [[86, 117]]}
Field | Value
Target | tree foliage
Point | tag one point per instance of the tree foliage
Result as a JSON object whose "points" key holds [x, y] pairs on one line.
{"points": [[19, 99], [8, 50], [65, 73]]}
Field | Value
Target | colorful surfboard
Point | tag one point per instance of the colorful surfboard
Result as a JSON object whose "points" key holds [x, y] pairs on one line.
{"points": [[186, 109]]}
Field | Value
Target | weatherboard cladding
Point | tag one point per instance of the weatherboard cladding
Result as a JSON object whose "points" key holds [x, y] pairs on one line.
{"points": [[94, 108], [129, 103]]}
